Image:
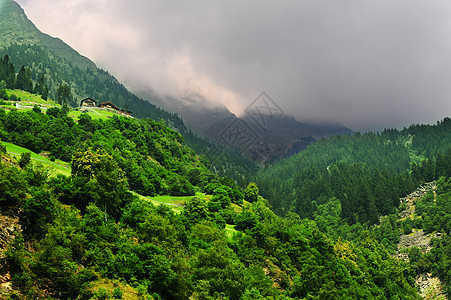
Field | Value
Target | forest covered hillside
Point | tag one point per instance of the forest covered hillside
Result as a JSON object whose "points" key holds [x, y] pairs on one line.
{"points": [[367, 172], [98, 205], [87, 236], [61, 65], [50, 67]]}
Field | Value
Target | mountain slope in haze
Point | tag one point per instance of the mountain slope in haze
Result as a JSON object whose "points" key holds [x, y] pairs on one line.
{"points": [[280, 136], [15, 27], [27, 45], [43, 54], [197, 112]]}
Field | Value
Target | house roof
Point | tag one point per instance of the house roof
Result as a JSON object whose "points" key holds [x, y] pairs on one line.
{"points": [[108, 103], [88, 100]]}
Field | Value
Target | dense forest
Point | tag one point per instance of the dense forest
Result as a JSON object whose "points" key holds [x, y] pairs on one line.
{"points": [[68, 247], [326, 223], [88, 236], [367, 173], [152, 155]]}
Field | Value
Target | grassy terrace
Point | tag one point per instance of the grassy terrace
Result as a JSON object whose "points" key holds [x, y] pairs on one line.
{"points": [[27, 100], [176, 202], [94, 113], [56, 167]]}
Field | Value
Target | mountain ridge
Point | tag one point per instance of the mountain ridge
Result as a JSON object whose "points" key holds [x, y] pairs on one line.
{"points": [[31, 34], [43, 54], [27, 45]]}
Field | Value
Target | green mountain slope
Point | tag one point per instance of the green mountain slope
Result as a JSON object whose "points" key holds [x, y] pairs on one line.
{"points": [[65, 247], [82, 235], [153, 156], [43, 54], [366, 172], [15, 27], [53, 167], [27, 46]]}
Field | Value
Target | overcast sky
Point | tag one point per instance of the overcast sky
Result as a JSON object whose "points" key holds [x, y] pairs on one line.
{"points": [[367, 64]]}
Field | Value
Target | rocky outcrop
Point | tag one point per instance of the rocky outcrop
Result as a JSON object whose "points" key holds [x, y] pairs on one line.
{"points": [[410, 199], [417, 239], [9, 228], [430, 287]]}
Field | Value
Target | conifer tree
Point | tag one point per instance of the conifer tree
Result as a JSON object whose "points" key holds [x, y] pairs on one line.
{"points": [[23, 80], [63, 94], [7, 72], [41, 88]]}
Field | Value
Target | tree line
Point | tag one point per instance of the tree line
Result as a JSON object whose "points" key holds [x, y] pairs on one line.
{"points": [[367, 173]]}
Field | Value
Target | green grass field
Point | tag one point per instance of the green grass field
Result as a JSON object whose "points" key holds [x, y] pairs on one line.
{"points": [[175, 202], [179, 200], [164, 200], [57, 167], [93, 113], [27, 98]]}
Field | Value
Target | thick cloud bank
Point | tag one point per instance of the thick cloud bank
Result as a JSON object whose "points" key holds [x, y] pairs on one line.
{"points": [[367, 64]]}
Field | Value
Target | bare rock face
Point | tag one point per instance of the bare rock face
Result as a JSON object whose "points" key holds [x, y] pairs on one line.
{"points": [[411, 199], [430, 287], [9, 228], [416, 239]]}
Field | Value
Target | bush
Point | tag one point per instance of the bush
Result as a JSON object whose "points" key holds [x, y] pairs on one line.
{"points": [[25, 159], [37, 109], [251, 192], [3, 95], [2, 149], [102, 294], [117, 293], [407, 228], [55, 111]]}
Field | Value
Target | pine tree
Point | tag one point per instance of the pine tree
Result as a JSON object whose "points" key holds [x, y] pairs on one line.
{"points": [[63, 94], [23, 80], [7, 72], [41, 88]]}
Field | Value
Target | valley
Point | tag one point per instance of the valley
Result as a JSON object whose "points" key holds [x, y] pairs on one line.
{"points": [[95, 204]]}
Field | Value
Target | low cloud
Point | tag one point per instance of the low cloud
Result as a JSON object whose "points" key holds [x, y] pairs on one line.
{"points": [[367, 64]]}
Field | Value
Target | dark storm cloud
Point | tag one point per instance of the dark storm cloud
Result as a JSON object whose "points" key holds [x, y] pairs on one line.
{"points": [[367, 64]]}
